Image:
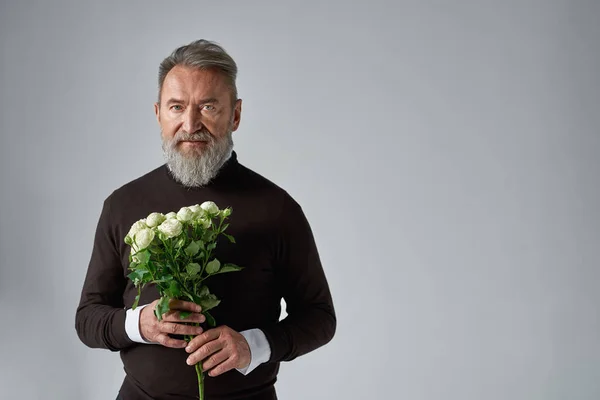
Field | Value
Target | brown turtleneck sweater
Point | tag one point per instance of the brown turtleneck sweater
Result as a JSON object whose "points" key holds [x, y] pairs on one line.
{"points": [[274, 244]]}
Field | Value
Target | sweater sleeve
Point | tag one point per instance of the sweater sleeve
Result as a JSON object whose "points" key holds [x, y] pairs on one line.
{"points": [[311, 321], [100, 316]]}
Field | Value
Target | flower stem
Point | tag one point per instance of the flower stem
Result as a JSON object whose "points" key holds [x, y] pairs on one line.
{"points": [[199, 373]]}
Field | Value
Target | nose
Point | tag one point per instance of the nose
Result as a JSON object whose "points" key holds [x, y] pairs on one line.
{"points": [[192, 121]]}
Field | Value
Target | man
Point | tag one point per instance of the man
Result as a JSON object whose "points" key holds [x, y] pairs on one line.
{"points": [[198, 110]]}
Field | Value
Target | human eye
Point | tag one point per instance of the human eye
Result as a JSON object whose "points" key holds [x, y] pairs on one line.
{"points": [[176, 107], [209, 107]]}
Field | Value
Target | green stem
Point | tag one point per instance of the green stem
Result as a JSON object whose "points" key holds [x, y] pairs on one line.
{"points": [[208, 253], [170, 255], [199, 374], [198, 367]]}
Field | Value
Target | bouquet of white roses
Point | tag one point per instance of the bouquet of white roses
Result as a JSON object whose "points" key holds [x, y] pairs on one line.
{"points": [[174, 252]]}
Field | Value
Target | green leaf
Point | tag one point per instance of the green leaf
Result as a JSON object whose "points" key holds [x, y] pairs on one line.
{"points": [[174, 289], [208, 302], [153, 267], [231, 238], [211, 246], [192, 249], [193, 268], [162, 307], [190, 296], [210, 319], [203, 291], [208, 236], [156, 250], [136, 302], [138, 275], [166, 269], [143, 256], [229, 268], [184, 314], [165, 278], [224, 227], [213, 266], [135, 277]]}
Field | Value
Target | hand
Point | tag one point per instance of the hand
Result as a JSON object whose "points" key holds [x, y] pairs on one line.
{"points": [[221, 348], [157, 332]]}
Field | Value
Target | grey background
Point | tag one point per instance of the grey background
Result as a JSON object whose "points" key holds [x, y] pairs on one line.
{"points": [[446, 154]]}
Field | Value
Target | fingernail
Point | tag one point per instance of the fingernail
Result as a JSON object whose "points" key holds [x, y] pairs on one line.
{"points": [[188, 349], [189, 362]]}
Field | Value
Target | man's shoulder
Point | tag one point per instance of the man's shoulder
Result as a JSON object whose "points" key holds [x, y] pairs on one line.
{"points": [[275, 195], [253, 178], [258, 182], [139, 186]]}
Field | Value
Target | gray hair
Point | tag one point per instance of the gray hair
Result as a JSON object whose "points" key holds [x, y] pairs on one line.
{"points": [[202, 54]]}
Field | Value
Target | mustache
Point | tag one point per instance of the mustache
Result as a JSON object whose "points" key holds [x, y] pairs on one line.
{"points": [[201, 135]]}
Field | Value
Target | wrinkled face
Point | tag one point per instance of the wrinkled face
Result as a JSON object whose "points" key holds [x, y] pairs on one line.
{"points": [[197, 116], [195, 101]]}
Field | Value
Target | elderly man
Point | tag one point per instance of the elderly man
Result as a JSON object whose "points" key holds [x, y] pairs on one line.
{"points": [[198, 110]]}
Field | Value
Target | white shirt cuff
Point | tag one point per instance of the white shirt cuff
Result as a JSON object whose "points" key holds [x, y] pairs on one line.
{"points": [[260, 351], [132, 325]]}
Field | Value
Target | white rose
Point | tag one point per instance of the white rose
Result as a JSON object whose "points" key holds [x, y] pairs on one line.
{"points": [[210, 207], [136, 227], [185, 214], [171, 215], [155, 219], [226, 212], [171, 228], [196, 209], [143, 238]]}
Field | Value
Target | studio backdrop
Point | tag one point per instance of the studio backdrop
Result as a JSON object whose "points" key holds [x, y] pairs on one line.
{"points": [[446, 155]]}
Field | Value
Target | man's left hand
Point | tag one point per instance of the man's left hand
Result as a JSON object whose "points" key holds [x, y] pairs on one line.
{"points": [[220, 349]]}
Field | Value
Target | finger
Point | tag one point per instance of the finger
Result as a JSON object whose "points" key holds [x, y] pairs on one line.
{"points": [[215, 359], [179, 329], [167, 341], [183, 305], [204, 352], [175, 316], [200, 340], [225, 366]]}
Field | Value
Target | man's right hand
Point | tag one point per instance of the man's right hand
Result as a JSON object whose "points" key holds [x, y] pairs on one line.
{"points": [[156, 331]]}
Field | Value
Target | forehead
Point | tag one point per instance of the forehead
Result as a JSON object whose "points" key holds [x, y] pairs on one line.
{"points": [[188, 83]]}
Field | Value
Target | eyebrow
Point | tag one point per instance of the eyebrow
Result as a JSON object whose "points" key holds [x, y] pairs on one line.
{"points": [[202, 101]]}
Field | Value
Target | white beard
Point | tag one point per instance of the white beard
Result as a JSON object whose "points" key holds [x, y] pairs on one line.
{"points": [[197, 168]]}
